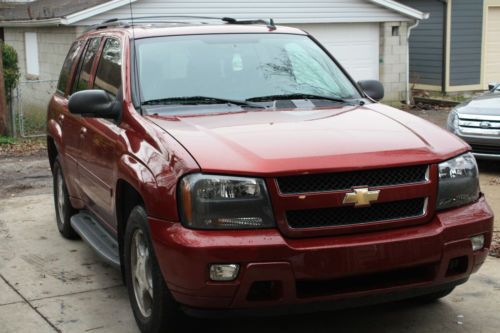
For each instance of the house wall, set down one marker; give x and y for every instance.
(426, 43)
(466, 38)
(393, 60)
(283, 11)
(33, 93)
(53, 45)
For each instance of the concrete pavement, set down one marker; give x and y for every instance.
(49, 284)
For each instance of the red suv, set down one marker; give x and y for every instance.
(236, 168)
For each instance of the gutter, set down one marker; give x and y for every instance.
(403, 9)
(33, 23)
(69, 19)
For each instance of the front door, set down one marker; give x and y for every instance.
(99, 139)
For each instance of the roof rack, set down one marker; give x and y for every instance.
(126, 22)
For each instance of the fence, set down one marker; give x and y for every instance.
(29, 106)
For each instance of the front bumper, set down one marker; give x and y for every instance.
(281, 272)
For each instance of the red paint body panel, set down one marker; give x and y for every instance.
(152, 153)
(310, 141)
(267, 255)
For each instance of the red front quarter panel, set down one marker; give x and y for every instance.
(152, 162)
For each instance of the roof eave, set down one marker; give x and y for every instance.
(33, 23)
(402, 9)
(96, 10)
(69, 19)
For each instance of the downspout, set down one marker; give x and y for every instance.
(445, 43)
(408, 90)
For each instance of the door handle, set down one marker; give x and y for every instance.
(83, 131)
(61, 118)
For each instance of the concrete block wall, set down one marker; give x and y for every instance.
(393, 60)
(53, 45)
(33, 93)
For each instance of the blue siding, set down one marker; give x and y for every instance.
(466, 42)
(426, 43)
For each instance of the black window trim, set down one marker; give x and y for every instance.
(76, 75)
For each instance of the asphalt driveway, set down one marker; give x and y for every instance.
(49, 284)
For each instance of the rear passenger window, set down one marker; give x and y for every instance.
(68, 64)
(86, 63)
(108, 75)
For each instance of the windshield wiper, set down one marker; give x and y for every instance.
(201, 100)
(296, 96)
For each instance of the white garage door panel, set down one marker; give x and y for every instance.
(354, 45)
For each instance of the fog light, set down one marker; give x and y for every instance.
(225, 272)
(477, 242)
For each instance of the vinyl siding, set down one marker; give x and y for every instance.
(426, 43)
(290, 11)
(466, 42)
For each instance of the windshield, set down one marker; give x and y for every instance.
(237, 67)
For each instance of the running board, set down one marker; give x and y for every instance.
(97, 237)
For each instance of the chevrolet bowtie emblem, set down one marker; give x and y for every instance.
(361, 197)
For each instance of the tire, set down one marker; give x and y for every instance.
(62, 204)
(433, 297)
(154, 308)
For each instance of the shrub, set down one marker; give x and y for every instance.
(10, 68)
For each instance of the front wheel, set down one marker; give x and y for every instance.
(154, 308)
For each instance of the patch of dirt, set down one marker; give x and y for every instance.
(434, 114)
(495, 245)
(25, 175)
(23, 148)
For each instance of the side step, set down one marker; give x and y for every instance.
(97, 237)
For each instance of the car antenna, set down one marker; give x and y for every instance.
(136, 65)
(271, 24)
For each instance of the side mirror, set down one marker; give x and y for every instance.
(373, 88)
(492, 86)
(94, 103)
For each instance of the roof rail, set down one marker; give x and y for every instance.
(184, 19)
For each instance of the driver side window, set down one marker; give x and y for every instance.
(108, 76)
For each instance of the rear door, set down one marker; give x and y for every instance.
(69, 123)
(73, 124)
(99, 139)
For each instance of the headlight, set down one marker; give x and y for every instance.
(452, 122)
(458, 182)
(223, 202)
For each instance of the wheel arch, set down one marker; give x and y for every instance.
(130, 191)
(52, 152)
(54, 140)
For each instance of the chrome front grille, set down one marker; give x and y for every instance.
(479, 124)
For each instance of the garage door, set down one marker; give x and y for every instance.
(493, 46)
(355, 46)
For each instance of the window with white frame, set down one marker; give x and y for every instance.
(31, 47)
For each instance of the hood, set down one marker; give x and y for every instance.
(487, 105)
(314, 140)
